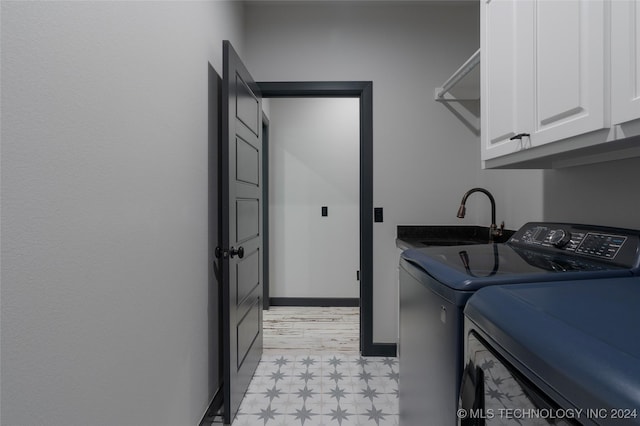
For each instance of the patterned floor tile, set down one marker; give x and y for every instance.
(321, 390)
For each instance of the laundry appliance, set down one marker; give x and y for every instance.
(436, 282)
(558, 353)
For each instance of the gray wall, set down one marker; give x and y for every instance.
(424, 157)
(104, 210)
(313, 162)
(604, 194)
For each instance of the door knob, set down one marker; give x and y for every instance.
(239, 252)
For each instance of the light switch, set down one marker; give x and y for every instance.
(377, 214)
(325, 211)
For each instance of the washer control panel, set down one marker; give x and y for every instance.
(614, 245)
(602, 245)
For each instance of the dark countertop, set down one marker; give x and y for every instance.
(415, 236)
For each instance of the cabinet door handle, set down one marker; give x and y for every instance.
(519, 136)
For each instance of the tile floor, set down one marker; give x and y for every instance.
(312, 375)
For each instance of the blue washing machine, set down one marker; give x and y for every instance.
(560, 353)
(436, 282)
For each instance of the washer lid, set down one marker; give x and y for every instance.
(474, 266)
(579, 338)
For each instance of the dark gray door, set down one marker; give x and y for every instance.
(241, 228)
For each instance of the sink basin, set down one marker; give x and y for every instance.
(451, 242)
(445, 235)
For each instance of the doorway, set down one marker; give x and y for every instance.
(314, 202)
(314, 240)
(362, 90)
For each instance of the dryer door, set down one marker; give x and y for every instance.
(493, 392)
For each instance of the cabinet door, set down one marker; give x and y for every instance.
(625, 61)
(569, 69)
(505, 26)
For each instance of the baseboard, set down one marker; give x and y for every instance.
(314, 301)
(214, 412)
(381, 349)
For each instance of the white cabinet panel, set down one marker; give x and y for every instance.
(569, 69)
(503, 28)
(558, 61)
(625, 61)
(543, 72)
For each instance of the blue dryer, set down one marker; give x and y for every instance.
(560, 353)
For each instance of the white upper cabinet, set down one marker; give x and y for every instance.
(499, 96)
(625, 61)
(569, 69)
(543, 75)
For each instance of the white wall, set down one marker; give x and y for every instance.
(314, 162)
(424, 157)
(104, 210)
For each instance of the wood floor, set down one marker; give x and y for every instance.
(295, 329)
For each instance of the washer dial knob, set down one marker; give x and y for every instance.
(559, 238)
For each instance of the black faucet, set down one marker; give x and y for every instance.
(494, 231)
